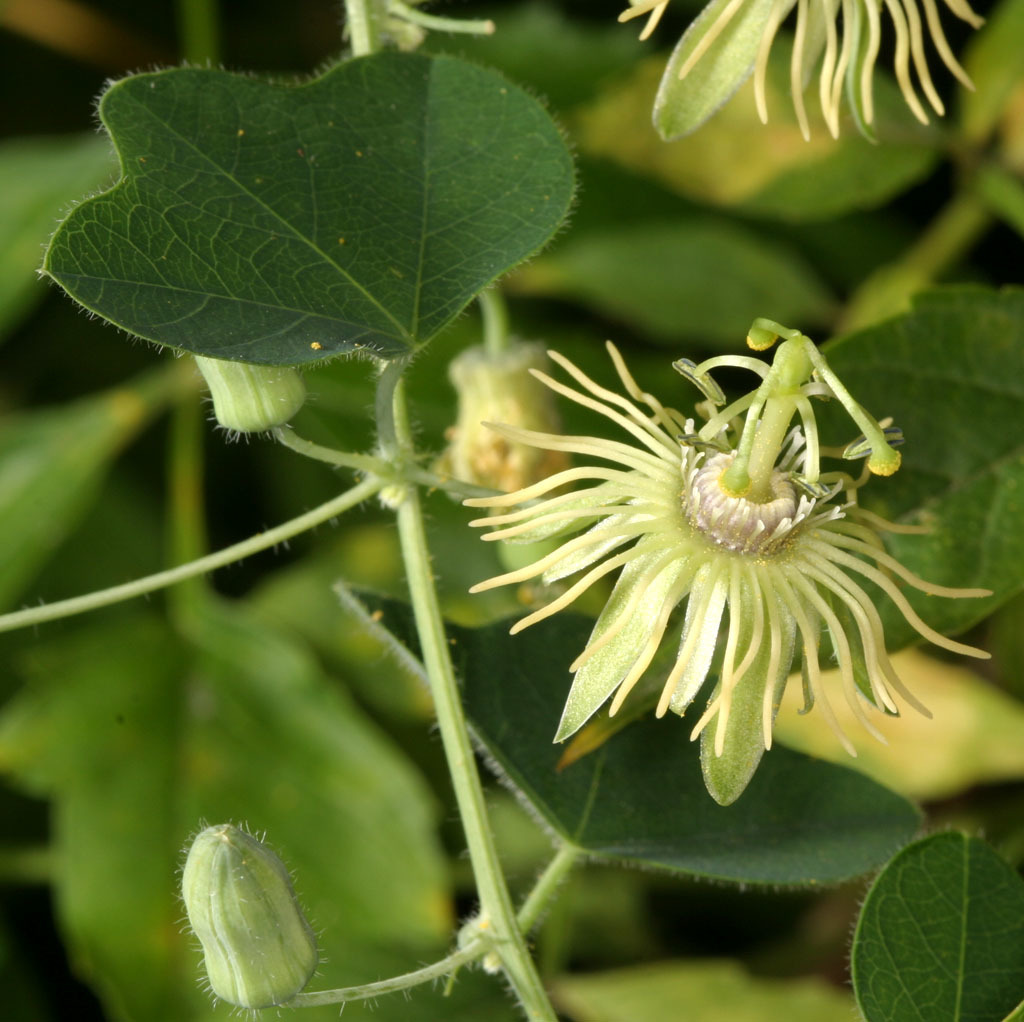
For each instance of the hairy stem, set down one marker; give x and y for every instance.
(138, 587)
(544, 889)
(495, 903)
(286, 436)
(186, 532)
(362, 17)
(431, 21)
(378, 466)
(537, 900)
(387, 437)
(340, 995)
(495, 317)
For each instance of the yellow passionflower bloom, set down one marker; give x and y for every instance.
(734, 519)
(730, 39)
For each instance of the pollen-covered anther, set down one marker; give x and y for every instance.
(738, 523)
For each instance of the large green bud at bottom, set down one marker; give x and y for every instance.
(258, 948)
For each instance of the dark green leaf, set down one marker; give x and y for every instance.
(951, 373)
(640, 797)
(941, 935)
(701, 278)
(39, 177)
(282, 225)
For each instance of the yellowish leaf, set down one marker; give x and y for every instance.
(975, 736)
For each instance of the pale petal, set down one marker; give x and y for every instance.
(603, 672)
(728, 763)
(716, 56)
(704, 611)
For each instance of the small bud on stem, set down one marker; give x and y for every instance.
(252, 398)
(258, 948)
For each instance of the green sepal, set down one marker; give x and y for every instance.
(604, 671)
(853, 92)
(583, 557)
(252, 398)
(708, 593)
(682, 106)
(727, 776)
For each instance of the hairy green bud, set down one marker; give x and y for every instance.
(500, 387)
(252, 398)
(257, 946)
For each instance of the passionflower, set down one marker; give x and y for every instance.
(729, 39)
(736, 520)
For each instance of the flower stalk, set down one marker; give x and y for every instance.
(495, 902)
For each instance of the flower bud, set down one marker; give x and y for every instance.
(252, 398)
(257, 946)
(499, 387)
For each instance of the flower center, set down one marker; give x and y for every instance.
(738, 523)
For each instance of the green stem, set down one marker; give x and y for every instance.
(438, 24)
(377, 466)
(544, 889)
(1003, 193)
(199, 31)
(387, 437)
(363, 30)
(138, 587)
(948, 238)
(495, 903)
(286, 436)
(495, 317)
(186, 532)
(444, 967)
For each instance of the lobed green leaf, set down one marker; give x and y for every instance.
(282, 225)
(640, 798)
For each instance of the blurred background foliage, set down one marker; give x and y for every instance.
(251, 697)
